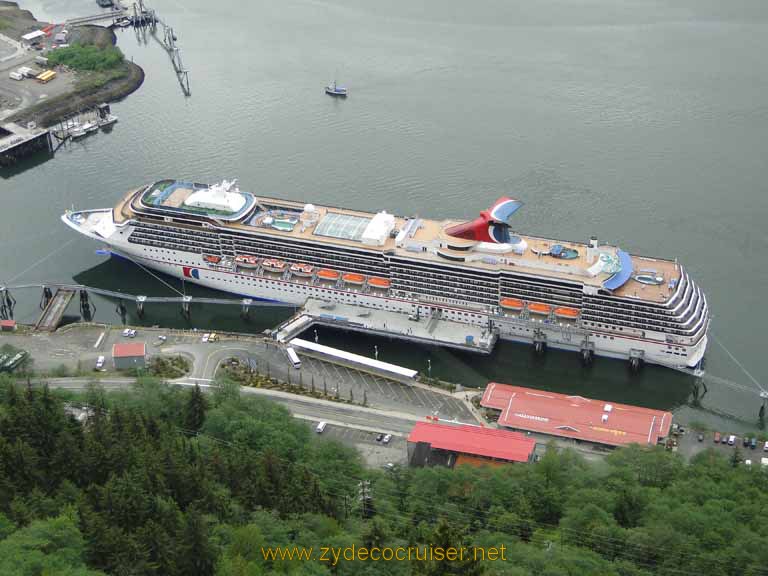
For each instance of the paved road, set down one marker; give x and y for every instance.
(358, 417)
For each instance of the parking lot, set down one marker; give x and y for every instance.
(377, 454)
(689, 445)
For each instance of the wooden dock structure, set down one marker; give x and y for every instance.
(54, 311)
(19, 141)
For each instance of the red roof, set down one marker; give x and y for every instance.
(128, 350)
(575, 416)
(474, 440)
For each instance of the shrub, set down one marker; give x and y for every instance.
(87, 57)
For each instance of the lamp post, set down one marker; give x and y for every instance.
(429, 368)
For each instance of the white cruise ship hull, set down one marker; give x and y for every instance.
(193, 268)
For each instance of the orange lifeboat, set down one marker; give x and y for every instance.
(328, 274)
(305, 270)
(568, 313)
(511, 303)
(213, 259)
(539, 308)
(273, 265)
(353, 278)
(376, 282)
(246, 261)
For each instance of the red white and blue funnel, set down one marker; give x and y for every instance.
(491, 226)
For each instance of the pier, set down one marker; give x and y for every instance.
(433, 330)
(19, 141)
(54, 309)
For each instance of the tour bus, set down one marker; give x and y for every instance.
(293, 358)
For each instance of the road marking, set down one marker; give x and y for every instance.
(98, 342)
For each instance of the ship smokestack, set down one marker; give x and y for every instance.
(592, 249)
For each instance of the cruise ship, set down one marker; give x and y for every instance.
(591, 298)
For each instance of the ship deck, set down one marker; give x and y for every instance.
(431, 231)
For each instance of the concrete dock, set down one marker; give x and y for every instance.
(433, 331)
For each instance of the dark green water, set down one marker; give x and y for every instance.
(643, 122)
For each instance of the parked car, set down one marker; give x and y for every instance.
(205, 337)
(387, 438)
(129, 333)
(717, 437)
(765, 448)
(701, 437)
(724, 439)
(731, 440)
(100, 363)
(753, 443)
(162, 338)
(379, 437)
(746, 442)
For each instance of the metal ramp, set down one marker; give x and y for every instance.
(52, 314)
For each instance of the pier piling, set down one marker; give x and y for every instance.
(140, 305)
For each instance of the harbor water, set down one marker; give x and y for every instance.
(641, 122)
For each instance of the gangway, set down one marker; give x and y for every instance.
(52, 314)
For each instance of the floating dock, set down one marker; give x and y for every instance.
(434, 330)
(54, 311)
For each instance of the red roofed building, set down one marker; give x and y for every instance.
(127, 355)
(7, 325)
(432, 443)
(576, 417)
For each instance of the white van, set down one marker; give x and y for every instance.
(320, 427)
(100, 363)
(294, 360)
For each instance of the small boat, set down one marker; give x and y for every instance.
(273, 265)
(213, 259)
(539, 308)
(246, 261)
(304, 270)
(123, 22)
(336, 90)
(649, 277)
(563, 253)
(511, 304)
(566, 313)
(107, 121)
(381, 283)
(77, 132)
(327, 274)
(353, 278)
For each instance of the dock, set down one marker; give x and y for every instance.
(433, 330)
(19, 141)
(54, 311)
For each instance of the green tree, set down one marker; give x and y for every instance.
(194, 410)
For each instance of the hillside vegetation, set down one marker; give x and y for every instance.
(163, 481)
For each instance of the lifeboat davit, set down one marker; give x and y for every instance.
(539, 308)
(327, 274)
(305, 270)
(353, 278)
(246, 261)
(213, 259)
(568, 313)
(376, 282)
(511, 304)
(273, 265)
